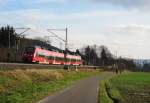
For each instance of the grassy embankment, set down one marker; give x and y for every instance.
(28, 86)
(127, 88)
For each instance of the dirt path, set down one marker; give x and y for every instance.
(84, 91)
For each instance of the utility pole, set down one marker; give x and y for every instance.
(66, 48)
(66, 44)
(9, 37)
(17, 41)
(20, 34)
(8, 55)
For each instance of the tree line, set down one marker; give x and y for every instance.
(101, 56)
(8, 36)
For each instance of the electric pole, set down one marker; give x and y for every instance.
(20, 34)
(66, 44)
(17, 40)
(8, 55)
(9, 38)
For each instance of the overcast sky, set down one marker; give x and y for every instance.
(121, 25)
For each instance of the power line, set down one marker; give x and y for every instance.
(55, 35)
(64, 40)
(25, 30)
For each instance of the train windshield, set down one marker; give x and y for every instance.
(29, 50)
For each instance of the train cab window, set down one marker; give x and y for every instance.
(29, 50)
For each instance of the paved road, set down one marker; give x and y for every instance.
(84, 91)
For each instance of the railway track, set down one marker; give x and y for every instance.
(11, 66)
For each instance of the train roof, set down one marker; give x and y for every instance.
(55, 49)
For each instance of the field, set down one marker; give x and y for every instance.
(28, 86)
(133, 87)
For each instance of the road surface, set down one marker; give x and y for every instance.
(84, 91)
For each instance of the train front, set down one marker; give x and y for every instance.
(28, 54)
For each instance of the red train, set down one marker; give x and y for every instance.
(40, 55)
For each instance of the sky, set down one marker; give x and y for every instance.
(121, 25)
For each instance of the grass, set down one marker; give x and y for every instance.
(28, 86)
(109, 94)
(134, 87)
(113, 93)
(103, 96)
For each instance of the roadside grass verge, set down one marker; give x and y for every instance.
(134, 87)
(109, 94)
(113, 93)
(29, 86)
(103, 95)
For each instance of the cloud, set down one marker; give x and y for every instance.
(122, 30)
(139, 4)
(133, 29)
(131, 39)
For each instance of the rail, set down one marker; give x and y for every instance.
(12, 66)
